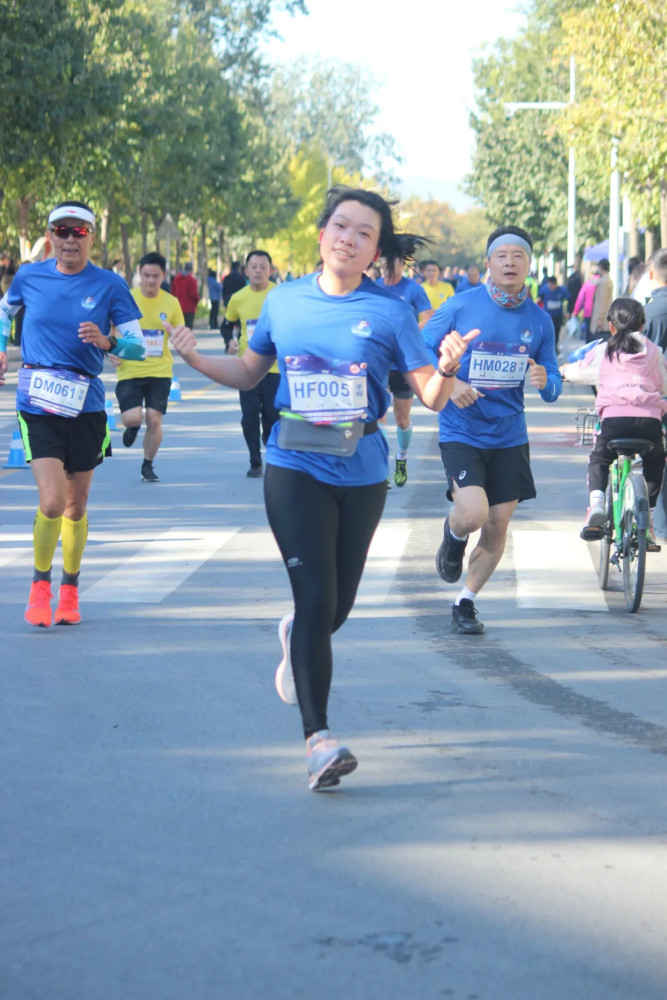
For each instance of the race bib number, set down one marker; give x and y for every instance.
(154, 343)
(495, 365)
(54, 390)
(250, 328)
(326, 392)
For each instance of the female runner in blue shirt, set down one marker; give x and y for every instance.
(336, 335)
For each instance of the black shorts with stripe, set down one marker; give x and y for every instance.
(81, 443)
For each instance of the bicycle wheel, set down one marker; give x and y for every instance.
(635, 522)
(605, 544)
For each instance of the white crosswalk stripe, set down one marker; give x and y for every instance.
(554, 572)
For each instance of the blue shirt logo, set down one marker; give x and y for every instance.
(88, 302)
(526, 336)
(361, 329)
(163, 317)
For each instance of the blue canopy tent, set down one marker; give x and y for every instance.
(599, 252)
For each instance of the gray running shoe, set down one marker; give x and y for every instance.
(327, 762)
(255, 472)
(284, 676)
(464, 618)
(449, 557)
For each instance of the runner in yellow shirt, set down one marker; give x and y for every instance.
(258, 412)
(437, 291)
(148, 383)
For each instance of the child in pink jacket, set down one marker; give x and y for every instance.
(631, 376)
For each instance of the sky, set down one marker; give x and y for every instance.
(420, 55)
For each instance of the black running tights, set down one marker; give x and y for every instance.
(323, 533)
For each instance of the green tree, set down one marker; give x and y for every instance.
(520, 166)
(622, 65)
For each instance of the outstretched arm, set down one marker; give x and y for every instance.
(236, 373)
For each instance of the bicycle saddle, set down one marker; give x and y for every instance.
(630, 446)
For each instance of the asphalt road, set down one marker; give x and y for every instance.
(505, 834)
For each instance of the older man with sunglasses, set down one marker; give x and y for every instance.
(70, 306)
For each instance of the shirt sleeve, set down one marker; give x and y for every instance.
(410, 350)
(231, 312)
(422, 301)
(123, 307)
(546, 356)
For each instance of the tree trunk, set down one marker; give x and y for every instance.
(144, 232)
(649, 243)
(104, 235)
(203, 259)
(633, 232)
(663, 212)
(24, 205)
(156, 226)
(126, 252)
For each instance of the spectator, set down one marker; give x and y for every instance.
(584, 303)
(232, 282)
(213, 286)
(185, 288)
(604, 294)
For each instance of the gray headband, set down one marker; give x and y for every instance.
(509, 238)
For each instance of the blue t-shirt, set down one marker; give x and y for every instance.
(55, 305)
(496, 364)
(411, 292)
(367, 331)
(554, 300)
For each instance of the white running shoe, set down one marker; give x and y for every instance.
(327, 762)
(284, 675)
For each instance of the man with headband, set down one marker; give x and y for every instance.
(70, 306)
(483, 434)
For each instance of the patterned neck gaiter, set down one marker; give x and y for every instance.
(506, 299)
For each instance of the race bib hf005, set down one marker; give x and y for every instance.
(323, 391)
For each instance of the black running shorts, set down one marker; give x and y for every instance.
(80, 443)
(399, 387)
(503, 473)
(153, 393)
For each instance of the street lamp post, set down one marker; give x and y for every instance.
(513, 106)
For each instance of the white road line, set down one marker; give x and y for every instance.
(152, 573)
(383, 560)
(554, 572)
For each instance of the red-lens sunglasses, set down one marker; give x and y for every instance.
(64, 232)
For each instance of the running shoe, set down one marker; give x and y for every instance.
(652, 543)
(38, 610)
(284, 675)
(130, 436)
(148, 473)
(401, 471)
(449, 557)
(327, 762)
(67, 612)
(464, 618)
(255, 471)
(593, 530)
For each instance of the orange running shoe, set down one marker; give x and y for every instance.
(67, 612)
(38, 611)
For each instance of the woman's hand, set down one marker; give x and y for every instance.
(453, 347)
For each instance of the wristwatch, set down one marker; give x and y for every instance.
(450, 374)
(112, 343)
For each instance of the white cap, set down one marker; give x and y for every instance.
(67, 211)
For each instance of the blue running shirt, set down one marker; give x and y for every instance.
(56, 304)
(496, 364)
(410, 291)
(368, 331)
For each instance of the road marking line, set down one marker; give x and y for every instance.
(382, 564)
(554, 572)
(158, 568)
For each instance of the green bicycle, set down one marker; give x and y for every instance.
(626, 528)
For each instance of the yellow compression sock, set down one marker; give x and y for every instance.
(45, 535)
(73, 540)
